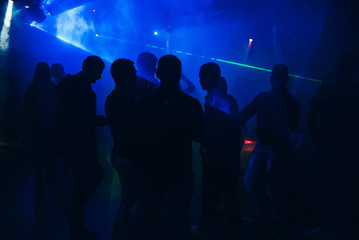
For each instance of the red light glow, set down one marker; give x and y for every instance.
(246, 142)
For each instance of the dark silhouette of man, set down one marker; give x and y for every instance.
(172, 120)
(121, 114)
(57, 72)
(74, 138)
(39, 104)
(277, 118)
(147, 82)
(220, 151)
(333, 125)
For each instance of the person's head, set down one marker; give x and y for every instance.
(93, 67)
(209, 75)
(57, 71)
(42, 73)
(124, 74)
(169, 71)
(146, 63)
(279, 77)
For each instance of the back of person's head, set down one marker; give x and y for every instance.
(279, 77)
(169, 70)
(42, 73)
(222, 85)
(93, 66)
(123, 73)
(209, 75)
(147, 62)
(92, 62)
(57, 71)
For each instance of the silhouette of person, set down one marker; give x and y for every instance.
(147, 82)
(173, 120)
(74, 137)
(220, 151)
(333, 125)
(277, 118)
(121, 113)
(38, 110)
(57, 72)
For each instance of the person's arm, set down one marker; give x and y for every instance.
(190, 86)
(249, 111)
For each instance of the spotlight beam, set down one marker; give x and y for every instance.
(4, 36)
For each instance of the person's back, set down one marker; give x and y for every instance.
(121, 113)
(277, 111)
(75, 114)
(172, 120)
(220, 150)
(277, 118)
(74, 138)
(223, 133)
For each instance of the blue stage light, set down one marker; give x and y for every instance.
(155, 33)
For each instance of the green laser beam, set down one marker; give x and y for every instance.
(243, 65)
(217, 59)
(267, 70)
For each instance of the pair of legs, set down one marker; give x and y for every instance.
(266, 160)
(172, 196)
(129, 195)
(217, 181)
(87, 175)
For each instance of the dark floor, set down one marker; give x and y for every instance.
(29, 212)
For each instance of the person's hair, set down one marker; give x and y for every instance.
(120, 69)
(146, 60)
(169, 70)
(222, 84)
(279, 75)
(92, 62)
(42, 73)
(211, 70)
(209, 75)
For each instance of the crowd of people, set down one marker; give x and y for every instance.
(153, 122)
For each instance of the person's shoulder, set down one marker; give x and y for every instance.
(190, 101)
(231, 99)
(262, 95)
(67, 80)
(188, 98)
